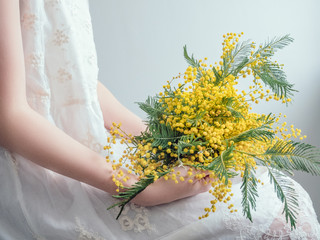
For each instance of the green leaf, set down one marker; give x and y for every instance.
(162, 134)
(152, 108)
(190, 60)
(261, 133)
(285, 191)
(290, 155)
(270, 47)
(239, 57)
(249, 191)
(217, 76)
(270, 73)
(222, 164)
(198, 119)
(232, 106)
(272, 76)
(131, 192)
(188, 141)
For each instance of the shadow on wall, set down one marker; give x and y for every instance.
(307, 181)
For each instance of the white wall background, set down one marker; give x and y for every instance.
(139, 45)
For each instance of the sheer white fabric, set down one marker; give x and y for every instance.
(35, 203)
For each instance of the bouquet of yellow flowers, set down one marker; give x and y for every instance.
(204, 122)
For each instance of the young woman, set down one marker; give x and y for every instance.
(55, 182)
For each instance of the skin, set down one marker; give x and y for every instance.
(20, 125)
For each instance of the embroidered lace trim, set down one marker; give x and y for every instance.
(134, 218)
(307, 227)
(86, 234)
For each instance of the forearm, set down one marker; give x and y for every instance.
(29, 134)
(114, 111)
(24, 131)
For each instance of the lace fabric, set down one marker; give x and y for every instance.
(279, 228)
(35, 203)
(134, 218)
(85, 233)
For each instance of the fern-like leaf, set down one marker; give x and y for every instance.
(261, 133)
(218, 77)
(289, 155)
(162, 134)
(222, 164)
(190, 60)
(151, 107)
(188, 141)
(275, 78)
(131, 192)
(232, 106)
(285, 191)
(240, 57)
(270, 47)
(249, 191)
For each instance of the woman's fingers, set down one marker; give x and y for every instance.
(164, 191)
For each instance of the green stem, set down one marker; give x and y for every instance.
(251, 154)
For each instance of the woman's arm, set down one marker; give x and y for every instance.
(22, 129)
(114, 111)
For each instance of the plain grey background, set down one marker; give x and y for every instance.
(139, 45)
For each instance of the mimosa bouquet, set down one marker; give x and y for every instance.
(202, 121)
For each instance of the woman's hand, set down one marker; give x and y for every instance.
(165, 191)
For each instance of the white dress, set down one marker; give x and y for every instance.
(35, 203)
